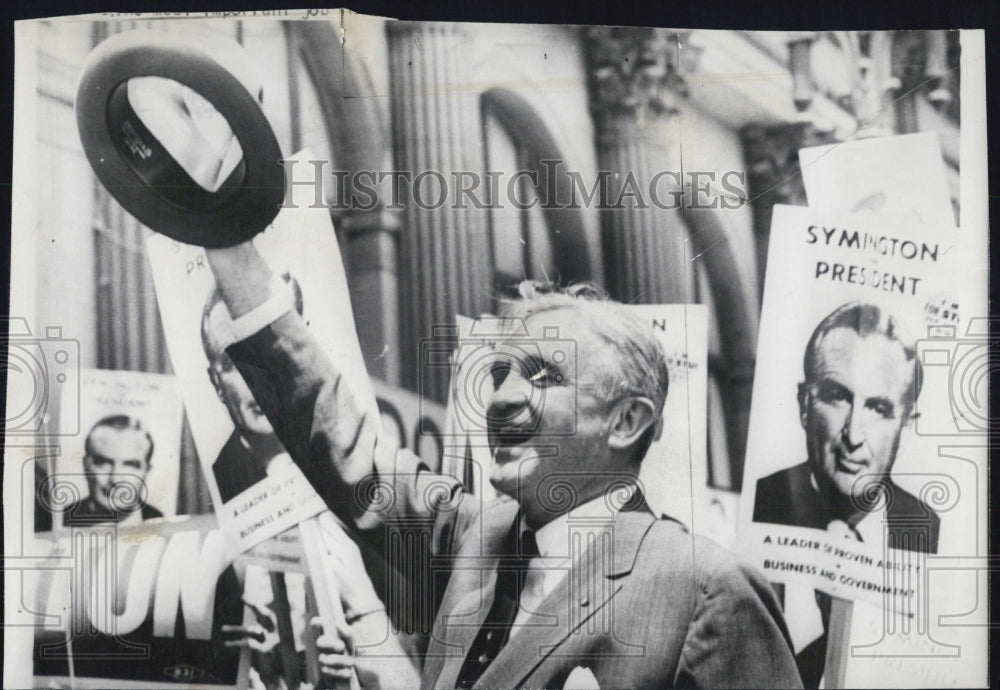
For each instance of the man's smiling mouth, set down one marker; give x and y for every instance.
(505, 440)
(849, 465)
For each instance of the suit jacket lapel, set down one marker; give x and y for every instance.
(459, 623)
(593, 579)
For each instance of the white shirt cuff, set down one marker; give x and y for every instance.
(277, 305)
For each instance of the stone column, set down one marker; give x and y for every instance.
(874, 97)
(372, 264)
(635, 82)
(444, 252)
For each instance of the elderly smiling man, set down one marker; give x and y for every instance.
(570, 575)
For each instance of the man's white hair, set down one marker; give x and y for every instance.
(635, 362)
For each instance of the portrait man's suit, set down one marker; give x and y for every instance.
(87, 512)
(236, 469)
(662, 608)
(788, 497)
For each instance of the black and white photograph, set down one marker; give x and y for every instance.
(355, 352)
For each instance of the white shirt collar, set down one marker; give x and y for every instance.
(871, 526)
(553, 538)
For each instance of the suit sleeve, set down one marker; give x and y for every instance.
(335, 439)
(737, 637)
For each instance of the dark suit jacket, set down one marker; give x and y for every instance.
(788, 498)
(235, 469)
(86, 512)
(656, 608)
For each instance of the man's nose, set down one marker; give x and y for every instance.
(507, 402)
(854, 430)
(121, 473)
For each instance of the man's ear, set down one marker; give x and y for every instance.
(630, 419)
(803, 403)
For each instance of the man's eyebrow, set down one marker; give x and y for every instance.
(881, 400)
(831, 384)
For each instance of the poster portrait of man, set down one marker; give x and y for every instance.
(861, 381)
(117, 457)
(124, 465)
(256, 488)
(252, 447)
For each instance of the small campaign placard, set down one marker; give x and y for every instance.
(122, 465)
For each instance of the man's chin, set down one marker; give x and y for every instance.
(502, 486)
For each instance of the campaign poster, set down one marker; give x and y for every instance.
(122, 593)
(904, 179)
(280, 645)
(841, 492)
(283, 588)
(834, 180)
(121, 606)
(674, 470)
(257, 489)
(121, 464)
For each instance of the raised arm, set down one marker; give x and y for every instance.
(334, 437)
(329, 433)
(243, 277)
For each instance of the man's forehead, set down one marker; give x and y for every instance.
(119, 443)
(873, 361)
(546, 332)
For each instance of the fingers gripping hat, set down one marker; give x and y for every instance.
(173, 128)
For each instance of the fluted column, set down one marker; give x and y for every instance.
(444, 252)
(374, 284)
(635, 81)
(875, 94)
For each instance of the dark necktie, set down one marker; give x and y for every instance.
(495, 631)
